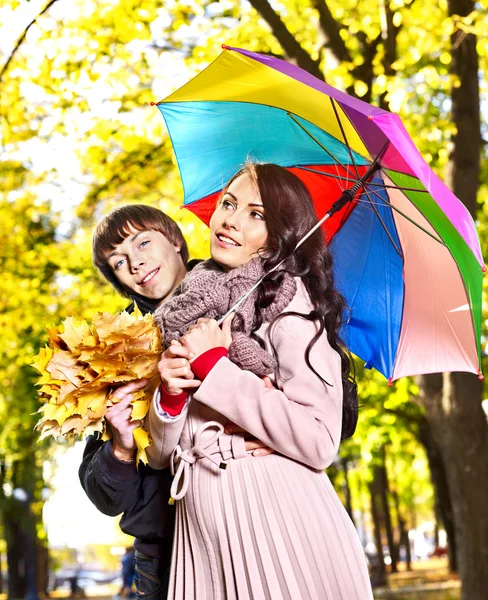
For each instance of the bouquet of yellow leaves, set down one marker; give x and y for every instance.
(82, 365)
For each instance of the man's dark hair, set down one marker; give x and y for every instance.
(117, 225)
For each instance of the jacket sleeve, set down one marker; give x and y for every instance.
(302, 418)
(165, 432)
(111, 484)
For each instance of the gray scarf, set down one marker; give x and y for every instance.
(208, 291)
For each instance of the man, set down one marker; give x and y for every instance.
(142, 253)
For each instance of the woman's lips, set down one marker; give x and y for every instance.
(224, 244)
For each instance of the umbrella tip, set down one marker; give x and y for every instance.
(153, 103)
(390, 381)
(370, 117)
(480, 375)
(483, 268)
(225, 47)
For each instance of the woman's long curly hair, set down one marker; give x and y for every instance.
(290, 214)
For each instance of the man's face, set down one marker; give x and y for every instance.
(148, 264)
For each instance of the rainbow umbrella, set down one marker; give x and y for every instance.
(406, 251)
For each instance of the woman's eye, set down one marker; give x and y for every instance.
(257, 215)
(227, 204)
(144, 243)
(119, 264)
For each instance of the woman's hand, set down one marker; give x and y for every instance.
(118, 415)
(174, 369)
(252, 444)
(206, 334)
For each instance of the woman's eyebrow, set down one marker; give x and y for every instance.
(231, 195)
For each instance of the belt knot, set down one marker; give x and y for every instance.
(182, 460)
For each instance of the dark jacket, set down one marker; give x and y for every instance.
(140, 494)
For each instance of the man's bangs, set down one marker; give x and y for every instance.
(118, 232)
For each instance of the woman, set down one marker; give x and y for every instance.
(269, 528)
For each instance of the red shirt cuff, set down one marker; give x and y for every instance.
(203, 364)
(172, 403)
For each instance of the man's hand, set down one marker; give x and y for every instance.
(174, 369)
(253, 445)
(118, 416)
(206, 334)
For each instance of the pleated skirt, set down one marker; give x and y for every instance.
(266, 528)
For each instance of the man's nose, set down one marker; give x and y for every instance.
(136, 262)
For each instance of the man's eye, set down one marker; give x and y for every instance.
(119, 263)
(142, 244)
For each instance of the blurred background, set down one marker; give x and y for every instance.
(78, 136)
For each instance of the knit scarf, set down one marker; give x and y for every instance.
(208, 291)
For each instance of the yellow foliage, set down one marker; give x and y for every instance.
(83, 365)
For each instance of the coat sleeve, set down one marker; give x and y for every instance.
(301, 419)
(112, 485)
(165, 432)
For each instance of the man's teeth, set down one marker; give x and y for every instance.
(148, 276)
(227, 240)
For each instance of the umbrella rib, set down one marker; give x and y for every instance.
(346, 142)
(398, 251)
(342, 178)
(393, 207)
(321, 145)
(397, 187)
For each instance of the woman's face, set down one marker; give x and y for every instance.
(238, 227)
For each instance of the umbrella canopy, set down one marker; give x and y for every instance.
(406, 251)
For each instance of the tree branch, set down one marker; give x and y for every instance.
(331, 29)
(22, 38)
(292, 48)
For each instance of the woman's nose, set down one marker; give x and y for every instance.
(231, 220)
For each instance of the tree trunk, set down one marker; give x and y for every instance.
(15, 557)
(378, 569)
(402, 533)
(441, 488)
(382, 475)
(453, 404)
(347, 489)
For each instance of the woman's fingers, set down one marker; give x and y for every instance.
(263, 451)
(254, 444)
(257, 448)
(231, 428)
(175, 367)
(176, 386)
(176, 350)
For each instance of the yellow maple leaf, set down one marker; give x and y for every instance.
(139, 409)
(57, 412)
(84, 362)
(40, 360)
(75, 331)
(95, 426)
(143, 440)
(93, 400)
